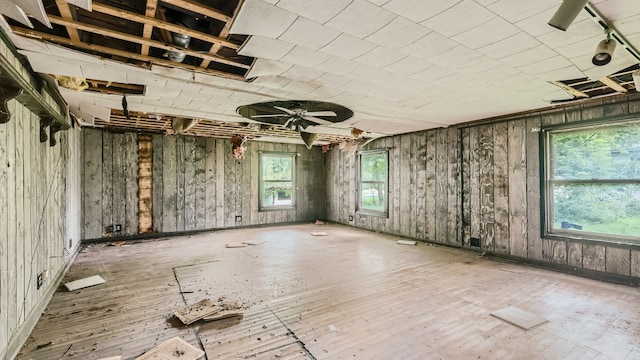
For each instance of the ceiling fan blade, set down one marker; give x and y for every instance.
(270, 115)
(320, 113)
(285, 110)
(318, 120)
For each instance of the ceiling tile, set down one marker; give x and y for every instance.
(338, 66)
(47, 64)
(495, 75)
(616, 9)
(361, 19)
(539, 53)
(103, 72)
(628, 26)
(514, 11)
(262, 47)
(487, 33)
(257, 17)
(463, 16)
(455, 57)
(510, 46)
(304, 56)
(380, 57)
(309, 34)
(478, 65)
(318, 11)
(302, 73)
(419, 10)
(272, 82)
(348, 47)
(263, 67)
(578, 31)
(546, 65)
(433, 73)
(398, 33)
(332, 80)
(430, 45)
(407, 66)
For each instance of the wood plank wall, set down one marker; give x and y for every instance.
(196, 184)
(39, 220)
(480, 181)
(423, 187)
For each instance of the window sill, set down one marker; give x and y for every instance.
(617, 243)
(372, 213)
(277, 208)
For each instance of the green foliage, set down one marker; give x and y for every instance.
(611, 153)
(373, 176)
(277, 178)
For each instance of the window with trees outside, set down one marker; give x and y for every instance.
(373, 176)
(593, 182)
(277, 181)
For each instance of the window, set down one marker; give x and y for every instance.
(277, 182)
(373, 176)
(593, 181)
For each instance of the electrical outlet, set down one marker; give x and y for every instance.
(117, 228)
(238, 218)
(70, 243)
(350, 217)
(40, 280)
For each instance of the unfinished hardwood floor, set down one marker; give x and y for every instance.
(350, 294)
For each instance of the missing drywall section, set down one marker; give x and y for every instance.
(475, 242)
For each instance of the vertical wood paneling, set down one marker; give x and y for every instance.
(534, 243)
(554, 251)
(474, 183)
(430, 195)
(593, 257)
(453, 207)
(413, 184)
(230, 186)
(618, 261)
(517, 188)
(254, 189)
(442, 183)
(5, 266)
(421, 179)
(169, 185)
(29, 218)
(635, 262)
(145, 184)
(130, 224)
(501, 187)
(93, 186)
(180, 182)
(574, 254)
(119, 191)
(394, 202)
(189, 183)
(487, 213)
(245, 190)
(13, 261)
(23, 274)
(406, 193)
(157, 182)
(466, 188)
(220, 190)
(107, 181)
(200, 184)
(210, 183)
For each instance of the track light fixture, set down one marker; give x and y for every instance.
(604, 51)
(566, 13)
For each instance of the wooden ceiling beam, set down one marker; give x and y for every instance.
(570, 90)
(114, 52)
(151, 8)
(612, 84)
(134, 39)
(224, 33)
(109, 10)
(65, 12)
(199, 8)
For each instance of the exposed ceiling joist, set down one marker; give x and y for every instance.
(151, 8)
(613, 85)
(199, 8)
(65, 12)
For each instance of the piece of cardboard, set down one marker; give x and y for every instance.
(520, 318)
(83, 283)
(197, 311)
(406, 242)
(174, 348)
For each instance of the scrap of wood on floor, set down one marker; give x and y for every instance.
(253, 242)
(319, 233)
(520, 318)
(84, 283)
(406, 242)
(174, 348)
(192, 313)
(236, 245)
(224, 314)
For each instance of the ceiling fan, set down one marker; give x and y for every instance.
(296, 115)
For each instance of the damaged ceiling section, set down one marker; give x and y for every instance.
(399, 65)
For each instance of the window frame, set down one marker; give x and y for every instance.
(546, 182)
(359, 208)
(261, 181)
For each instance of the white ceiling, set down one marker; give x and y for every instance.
(400, 65)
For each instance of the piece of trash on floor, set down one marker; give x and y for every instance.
(319, 222)
(44, 345)
(253, 242)
(236, 245)
(521, 318)
(224, 314)
(84, 283)
(116, 243)
(112, 358)
(197, 311)
(332, 328)
(174, 348)
(319, 233)
(406, 242)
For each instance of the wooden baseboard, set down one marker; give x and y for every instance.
(18, 340)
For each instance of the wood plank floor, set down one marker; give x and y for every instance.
(351, 294)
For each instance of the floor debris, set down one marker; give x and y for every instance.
(224, 314)
(174, 348)
(406, 242)
(319, 233)
(518, 317)
(44, 345)
(236, 245)
(116, 243)
(332, 328)
(319, 222)
(192, 313)
(83, 283)
(253, 242)
(112, 358)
